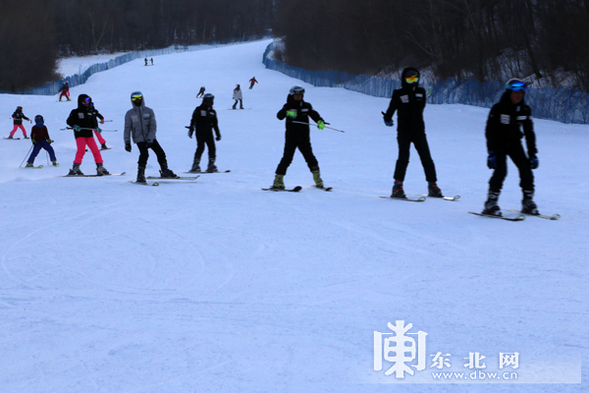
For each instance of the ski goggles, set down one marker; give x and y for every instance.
(412, 79)
(136, 97)
(87, 100)
(516, 86)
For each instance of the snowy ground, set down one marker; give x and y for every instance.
(218, 286)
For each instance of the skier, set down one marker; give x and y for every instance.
(409, 101)
(201, 92)
(140, 124)
(203, 122)
(41, 140)
(83, 121)
(238, 97)
(97, 131)
(503, 132)
(146, 61)
(253, 81)
(17, 118)
(151, 60)
(297, 135)
(65, 91)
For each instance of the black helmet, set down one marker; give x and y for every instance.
(515, 84)
(296, 89)
(208, 99)
(39, 118)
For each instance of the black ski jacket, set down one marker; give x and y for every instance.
(18, 116)
(303, 109)
(83, 116)
(409, 101)
(204, 119)
(505, 123)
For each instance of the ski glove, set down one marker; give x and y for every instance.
(101, 121)
(291, 114)
(149, 143)
(321, 124)
(128, 147)
(492, 160)
(190, 132)
(77, 128)
(389, 123)
(33, 141)
(98, 130)
(218, 138)
(50, 141)
(534, 162)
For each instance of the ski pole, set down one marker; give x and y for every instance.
(86, 129)
(29, 152)
(309, 124)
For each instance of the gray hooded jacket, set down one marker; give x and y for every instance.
(140, 123)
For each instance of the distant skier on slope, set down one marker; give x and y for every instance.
(253, 81)
(503, 132)
(409, 102)
(238, 97)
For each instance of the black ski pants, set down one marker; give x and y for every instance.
(205, 138)
(294, 140)
(157, 149)
(420, 142)
(521, 161)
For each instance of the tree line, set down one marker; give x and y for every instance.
(35, 33)
(479, 39)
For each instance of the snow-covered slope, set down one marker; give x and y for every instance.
(218, 286)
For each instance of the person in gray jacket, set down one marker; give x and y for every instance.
(141, 124)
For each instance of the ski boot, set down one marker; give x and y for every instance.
(75, 171)
(278, 182)
(9, 137)
(211, 168)
(195, 165)
(167, 173)
(491, 204)
(317, 178)
(27, 137)
(101, 170)
(398, 190)
(29, 165)
(141, 175)
(434, 191)
(103, 147)
(528, 204)
(54, 163)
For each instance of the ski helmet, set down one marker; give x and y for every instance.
(516, 84)
(296, 89)
(208, 99)
(19, 108)
(39, 120)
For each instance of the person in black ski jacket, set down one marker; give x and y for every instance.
(503, 132)
(17, 118)
(203, 122)
(83, 122)
(297, 135)
(409, 103)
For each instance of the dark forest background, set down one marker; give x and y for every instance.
(479, 39)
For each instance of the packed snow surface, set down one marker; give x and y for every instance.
(217, 286)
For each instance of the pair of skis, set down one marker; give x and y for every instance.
(518, 216)
(295, 189)
(155, 184)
